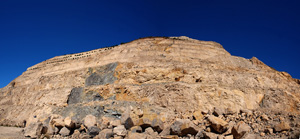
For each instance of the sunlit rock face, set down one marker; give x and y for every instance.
(154, 78)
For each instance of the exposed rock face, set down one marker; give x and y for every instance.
(150, 82)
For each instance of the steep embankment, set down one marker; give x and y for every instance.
(157, 79)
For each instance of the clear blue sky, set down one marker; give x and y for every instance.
(33, 31)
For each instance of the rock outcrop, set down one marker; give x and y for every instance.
(155, 87)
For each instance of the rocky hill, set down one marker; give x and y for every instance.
(155, 87)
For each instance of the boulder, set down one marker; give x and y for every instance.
(239, 130)
(182, 127)
(120, 130)
(105, 134)
(218, 124)
(90, 120)
(33, 130)
(282, 126)
(64, 132)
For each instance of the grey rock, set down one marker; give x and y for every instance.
(137, 129)
(93, 131)
(75, 95)
(103, 75)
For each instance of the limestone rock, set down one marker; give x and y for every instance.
(218, 124)
(239, 130)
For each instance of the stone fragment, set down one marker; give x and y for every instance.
(115, 122)
(33, 130)
(120, 130)
(230, 126)
(165, 131)
(76, 134)
(269, 130)
(218, 124)
(198, 115)
(246, 111)
(282, 126)
(135, 129)
(264, 117)
(239, 130)
(90, 120)
(210, 135)
(149, 131)
(69, 123)
(228, 137)
(137, 136)
(118, 137)
(182, 127)
(262, 134)
(126, 120)
(59, 122)
(93, 131)
(105, 134)
(250, 136)
(218, 111)
(64, 132)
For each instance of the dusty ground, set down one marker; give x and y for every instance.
(11, 133)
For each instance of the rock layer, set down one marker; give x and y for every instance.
(152, 81)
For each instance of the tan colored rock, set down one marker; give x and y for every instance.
(282, 126)
(64, 132)
(90, 120)
(218, 124)
(120, 130)
(33, 130)
(69, 123)
(115, 122)
(239, 130)
(182, 127)
(105, 134)
(210, 135)
(198, 115)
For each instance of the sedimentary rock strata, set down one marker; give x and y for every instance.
(157, 87)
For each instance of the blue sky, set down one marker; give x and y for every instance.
(33, 31)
